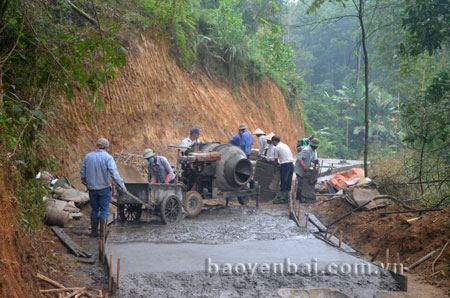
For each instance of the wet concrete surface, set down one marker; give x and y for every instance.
(215, 225)
(169, 261)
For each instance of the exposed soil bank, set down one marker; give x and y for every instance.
(371, 234)
(154, 103)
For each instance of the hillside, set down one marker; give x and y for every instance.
(155, 103)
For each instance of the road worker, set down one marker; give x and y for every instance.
(95, 173)
(159, 168)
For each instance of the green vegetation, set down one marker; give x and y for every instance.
(44, 54)
(54, 48)
(408, 90)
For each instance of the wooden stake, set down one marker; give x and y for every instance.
(100, 249)
(399, 266)
(387, 259)
(103, 252)
(341, 234)
(110, 272)
(326, 231)
(332, 233)
(307, 221)
(118, 273)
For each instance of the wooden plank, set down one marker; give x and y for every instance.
(86, 261)
(70, 244)
(59, 290)
(316, 222)
(50, 281)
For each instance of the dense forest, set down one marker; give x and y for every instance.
(322, 53)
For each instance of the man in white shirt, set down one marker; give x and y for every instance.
(269, 151)
(284, 157)
(192, 139)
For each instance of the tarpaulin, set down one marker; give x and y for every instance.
(338, 179)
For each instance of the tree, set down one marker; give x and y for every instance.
(359, 6)
(428, 25)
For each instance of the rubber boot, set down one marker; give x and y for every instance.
(279, 198)
(94, 227)
(286, 197)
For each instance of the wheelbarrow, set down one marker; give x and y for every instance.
(164, 200)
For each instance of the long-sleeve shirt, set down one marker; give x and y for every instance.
(262, 142)
(96, 170)
(187, 143)
(307, 155)
(159, 170)
(283, 153)
(270, 153)
(246, 142)
(235, 140)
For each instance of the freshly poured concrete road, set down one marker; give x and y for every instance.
(169, 260)
(189, 257)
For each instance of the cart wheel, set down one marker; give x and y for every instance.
(193, 203)
(171, 209)
(243, 200)
(130, 212)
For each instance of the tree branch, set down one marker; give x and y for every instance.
(83, 14)
(327, 20)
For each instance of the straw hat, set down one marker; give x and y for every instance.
(259, 131)
(269, 136)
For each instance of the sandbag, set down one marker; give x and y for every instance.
(71, 194)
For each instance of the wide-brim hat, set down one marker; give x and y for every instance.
(148, 153)
(259, 131)
(242, 126)
(269, 136)
(314, 143)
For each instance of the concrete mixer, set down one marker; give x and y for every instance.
(215, 170)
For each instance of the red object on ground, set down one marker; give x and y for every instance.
(338, 179)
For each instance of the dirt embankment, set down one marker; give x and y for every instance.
(372, 234)
(154, 103)
(20, 255)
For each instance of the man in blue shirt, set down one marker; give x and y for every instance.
(235, 140)
(246, 140)
(159, 168)
(95, 172)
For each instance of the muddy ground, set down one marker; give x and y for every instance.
(221, 225)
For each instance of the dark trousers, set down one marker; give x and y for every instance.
(286, 172)
(299, 187)
(99, 200)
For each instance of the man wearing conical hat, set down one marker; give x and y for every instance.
(262, 142)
